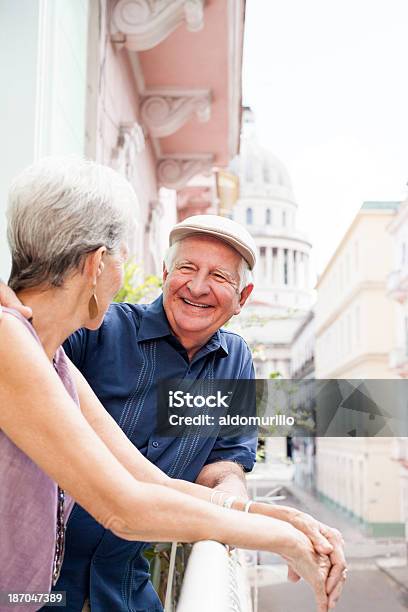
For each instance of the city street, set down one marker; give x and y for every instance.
(369, 588)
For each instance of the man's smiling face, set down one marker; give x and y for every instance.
(200, 293)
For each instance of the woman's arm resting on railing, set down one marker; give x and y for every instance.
(325, 540)
(38, 416)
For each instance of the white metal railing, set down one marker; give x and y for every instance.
(399, 449)
(398, 358)
(393, 279)
(214, 581)
(397, 281)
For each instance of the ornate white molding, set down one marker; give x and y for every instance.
(142, 24)
(164, 113)
(175, 172)
(130, 143)
(236, 11)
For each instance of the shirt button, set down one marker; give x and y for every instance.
(155, 444)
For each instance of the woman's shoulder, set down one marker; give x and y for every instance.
(19, 347)
(13, 322)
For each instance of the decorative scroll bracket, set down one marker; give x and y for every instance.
(164, 113)
(142, 24)
(175, 172)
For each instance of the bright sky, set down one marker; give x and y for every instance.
(328, 82)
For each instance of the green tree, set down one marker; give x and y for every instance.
(136, 286)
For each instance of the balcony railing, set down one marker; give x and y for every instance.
(397, 284)
(398, 361)
(214, 580)
(399, 449)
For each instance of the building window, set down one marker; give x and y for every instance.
(348, 268)
(268, 216)
(285, 266)
(249, 174)
(406, 336)
(262, 260)
(284, 218)
(357, 319)
(275, 272)
(348, 332)
(266, 174)
(249, 216)
(295, 270)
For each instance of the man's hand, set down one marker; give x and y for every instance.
(9, 299)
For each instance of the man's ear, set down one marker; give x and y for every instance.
(165, 273)
(94, 264)
(245, 293)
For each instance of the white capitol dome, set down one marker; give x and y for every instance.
(282, 295)
(260, 172)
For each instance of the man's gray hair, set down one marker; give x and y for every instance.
(60, 209)
(244, 273)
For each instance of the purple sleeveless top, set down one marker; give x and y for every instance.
(28, 509)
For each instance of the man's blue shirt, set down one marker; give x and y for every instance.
(123, 361)
(125, 358)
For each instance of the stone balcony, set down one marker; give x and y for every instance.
(399, 451)
(397, 284)
(398, 361)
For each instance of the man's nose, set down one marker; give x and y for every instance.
(199, 285)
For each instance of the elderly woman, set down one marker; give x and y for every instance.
(68, 222)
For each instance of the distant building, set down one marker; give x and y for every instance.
(397, 290)
(352, 300)
(354, 336)
(303, 349)
(303, 368)
(282, 297)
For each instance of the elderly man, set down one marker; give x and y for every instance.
(206, 280)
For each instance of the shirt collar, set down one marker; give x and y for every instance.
(154, 324)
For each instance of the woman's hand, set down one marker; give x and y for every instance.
(8, 299)
(304, 562)
(326, 540)
(321, 534)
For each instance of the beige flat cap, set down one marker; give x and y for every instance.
(222, 228)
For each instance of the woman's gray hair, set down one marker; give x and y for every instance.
(60, 209)
(244, 273)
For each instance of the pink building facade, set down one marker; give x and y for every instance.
(150, 87)
(163, 105)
